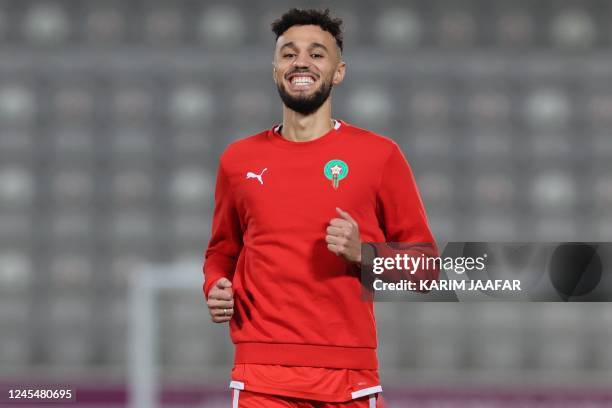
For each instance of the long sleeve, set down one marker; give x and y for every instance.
(402, 216)
(226, 235)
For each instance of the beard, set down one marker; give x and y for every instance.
(305, 105)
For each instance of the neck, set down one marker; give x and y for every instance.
(304, 128)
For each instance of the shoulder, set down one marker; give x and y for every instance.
(239, 149)
(374, 142)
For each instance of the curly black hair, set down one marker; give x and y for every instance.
(321, 18)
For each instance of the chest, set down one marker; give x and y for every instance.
(300, 189)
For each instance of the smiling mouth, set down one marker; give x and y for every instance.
(301, 81)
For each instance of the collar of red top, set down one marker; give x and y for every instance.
(278, 128)
(275, 136)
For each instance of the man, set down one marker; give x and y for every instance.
(292, 206)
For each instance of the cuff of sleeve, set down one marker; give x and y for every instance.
(216, 267)
(209, 280)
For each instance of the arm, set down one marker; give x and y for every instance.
(402, 217)
(223, 250)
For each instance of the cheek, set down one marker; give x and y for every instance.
(329, 73)
(330, 76)
(280, 69)
(279, 75)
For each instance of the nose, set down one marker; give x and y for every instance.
(301, 61)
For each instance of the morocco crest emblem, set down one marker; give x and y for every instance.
(335, 170)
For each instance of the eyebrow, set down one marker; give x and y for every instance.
(290, 44)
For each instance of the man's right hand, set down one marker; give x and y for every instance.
(221, 301)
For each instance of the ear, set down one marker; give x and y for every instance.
(273, 72)
(339, 74)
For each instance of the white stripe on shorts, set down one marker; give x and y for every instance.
(366, 391)
(373, 401)
(237, 396)
(239, 385)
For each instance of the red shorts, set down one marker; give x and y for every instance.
(306, 383)
(246, 399)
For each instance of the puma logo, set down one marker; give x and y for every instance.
(259, 176)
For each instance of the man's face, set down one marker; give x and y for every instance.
(307, 64)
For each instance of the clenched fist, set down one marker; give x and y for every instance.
(343, 237)
(221, 301)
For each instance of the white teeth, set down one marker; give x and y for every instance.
(301, 80)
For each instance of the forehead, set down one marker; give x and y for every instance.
(304, 35)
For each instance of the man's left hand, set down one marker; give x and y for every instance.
(343, 237)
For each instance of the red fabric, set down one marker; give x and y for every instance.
(297, 303)
(311, 383)
(311, 355)
(248, 399)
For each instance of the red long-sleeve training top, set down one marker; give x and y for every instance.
(297, 303)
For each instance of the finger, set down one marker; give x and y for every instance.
(337, 231)
(222, 312)
(346, 216)
(216, 303)
(223, 283)
(331, 239)
(339, 222)
(220, 294)
(336, 249)
(222, 319)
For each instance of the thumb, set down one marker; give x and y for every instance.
(223, 283)
(345, 215)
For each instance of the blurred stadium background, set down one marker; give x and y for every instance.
(112, 117)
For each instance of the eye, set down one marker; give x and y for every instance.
(316, 55)
(288, 55)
